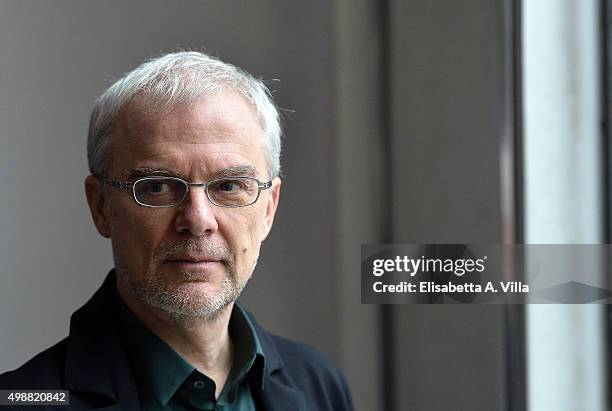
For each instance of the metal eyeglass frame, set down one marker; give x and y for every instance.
(129, 186)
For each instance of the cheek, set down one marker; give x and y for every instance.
(134, 233)
(245, 236)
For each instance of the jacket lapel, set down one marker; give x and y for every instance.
(96, 363)
(279, 393)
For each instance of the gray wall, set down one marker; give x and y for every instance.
(56, 57)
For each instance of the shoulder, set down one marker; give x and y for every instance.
(305, 368)
(314, 372)
(44, 371)
(304, 357)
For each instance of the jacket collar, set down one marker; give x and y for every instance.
(96, 362)
(279, 392)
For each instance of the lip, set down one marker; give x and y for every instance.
(193, 265)
(192, 259)
(199, 271)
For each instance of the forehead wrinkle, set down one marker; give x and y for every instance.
(188, 136)
(234, 128)
(191, 143)
(166, 142)
(187, 161)
(179, 157)
(144, 130)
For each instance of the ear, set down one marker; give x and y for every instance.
(95, 199)
(271, 208)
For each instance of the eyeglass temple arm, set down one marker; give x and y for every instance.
(125, 185)
(120, 184)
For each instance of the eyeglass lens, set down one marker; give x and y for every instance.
(168, 191)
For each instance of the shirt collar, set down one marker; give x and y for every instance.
(159, 370)
(249, 352)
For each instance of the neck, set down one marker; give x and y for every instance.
(205, 344)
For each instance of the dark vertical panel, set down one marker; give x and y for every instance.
(451, 108)
(387, 312)
(359, 105)
(514, 315)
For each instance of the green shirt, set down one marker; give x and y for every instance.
(166, 381)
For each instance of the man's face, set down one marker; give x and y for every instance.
(195, 258)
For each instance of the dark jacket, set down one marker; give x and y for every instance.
(92, 364)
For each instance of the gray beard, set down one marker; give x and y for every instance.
(186, 309)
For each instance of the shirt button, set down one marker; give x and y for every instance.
(199, 384)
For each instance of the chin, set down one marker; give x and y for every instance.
(195, 300)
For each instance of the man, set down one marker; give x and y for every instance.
(184, 154)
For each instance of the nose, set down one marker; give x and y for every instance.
(196, 214)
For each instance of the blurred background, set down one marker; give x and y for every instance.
(406, 121)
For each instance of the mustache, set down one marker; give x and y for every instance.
(176, 248)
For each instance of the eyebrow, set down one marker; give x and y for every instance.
(235, 171)
(151, 171)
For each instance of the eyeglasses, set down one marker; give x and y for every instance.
(158, 192)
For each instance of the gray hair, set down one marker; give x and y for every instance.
(180, 78)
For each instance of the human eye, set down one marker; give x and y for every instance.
(233, 191)
(228, 185)
(158, 186)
